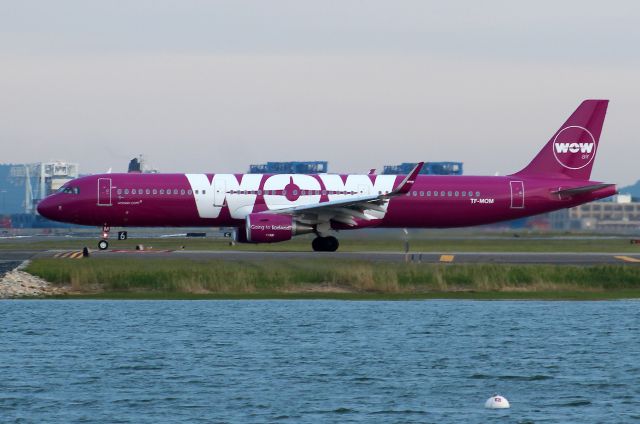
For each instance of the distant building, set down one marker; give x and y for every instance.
(11, 192)
(621, 214)
(429, 168)
(315, 167)
(23, 185)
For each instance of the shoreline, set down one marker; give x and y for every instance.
(476, 296)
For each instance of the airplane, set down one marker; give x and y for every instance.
(269, 208)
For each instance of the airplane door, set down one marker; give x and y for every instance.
(219, 192)
(517, 194)
(104, 191)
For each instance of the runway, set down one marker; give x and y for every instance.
(553, 258)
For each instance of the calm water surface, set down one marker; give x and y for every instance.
(318, 361)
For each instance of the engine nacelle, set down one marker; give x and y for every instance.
(272, 228)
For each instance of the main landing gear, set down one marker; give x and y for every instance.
(325, 244)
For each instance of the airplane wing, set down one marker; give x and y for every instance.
(347, 210)
(581, 190)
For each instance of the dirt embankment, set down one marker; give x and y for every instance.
(17, 283)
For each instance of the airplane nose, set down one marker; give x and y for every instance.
(45, 208)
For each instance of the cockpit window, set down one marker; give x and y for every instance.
(69, 190)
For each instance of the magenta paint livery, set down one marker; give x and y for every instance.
(267, 208)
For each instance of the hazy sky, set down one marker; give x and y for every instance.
(215, 85)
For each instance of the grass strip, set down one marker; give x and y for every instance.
(321, 278)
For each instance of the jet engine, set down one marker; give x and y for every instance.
(272, 228)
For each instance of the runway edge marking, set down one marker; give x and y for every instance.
(446, 258)
(74, 254)
(628, 259)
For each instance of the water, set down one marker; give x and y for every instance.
(318, 361)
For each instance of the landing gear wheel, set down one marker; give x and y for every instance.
(331, 244)
(325, 244)
(103, 245)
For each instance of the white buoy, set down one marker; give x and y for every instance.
(497, 402)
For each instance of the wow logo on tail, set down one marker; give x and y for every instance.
(574, 147)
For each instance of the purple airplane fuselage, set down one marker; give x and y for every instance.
(168, 200)
(270, 208)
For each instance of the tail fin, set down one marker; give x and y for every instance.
(572, 149)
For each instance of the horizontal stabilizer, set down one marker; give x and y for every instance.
(582, 190)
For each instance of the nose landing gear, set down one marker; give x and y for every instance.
(325, 244)
(104, 244)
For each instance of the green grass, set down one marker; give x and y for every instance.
(347, 279)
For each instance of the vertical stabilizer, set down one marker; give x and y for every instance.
(572, 149)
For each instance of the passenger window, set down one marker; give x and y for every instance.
(182, 192)
(126, 191)
(442, 193)
(204, 191)
(295, 192)
(456, 194)
(428, 193)
(415, 193)
(435, 194)
(155, 191)
(470, 193)
(196, 191)
(477, 194)
(119, 191)
(284, 192)
(259, 192)
(189, 192)
(422, 194)
(175, 191)
(464, 193)
(147, 191)
(449, 193)
(161, 191)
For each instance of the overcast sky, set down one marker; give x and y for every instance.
(211, 86)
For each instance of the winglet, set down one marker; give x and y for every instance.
(408, 181)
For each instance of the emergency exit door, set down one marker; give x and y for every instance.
(104, 191)
(517, 194)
